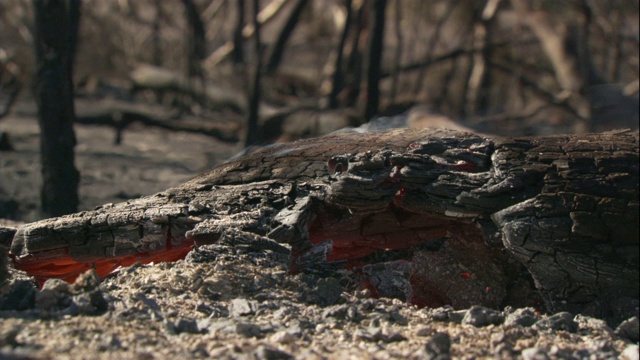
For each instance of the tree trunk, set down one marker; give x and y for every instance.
(429, 216)
(254, 91)
(337, 83)
(196, 51)
(56, 24)
(285, 33)
(374, 58)
(238, 40)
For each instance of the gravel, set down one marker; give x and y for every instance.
(223, 303)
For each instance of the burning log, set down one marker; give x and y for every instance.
(429, 216)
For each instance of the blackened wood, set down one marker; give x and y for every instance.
(374, 57)
(56, 24)
(561, 209)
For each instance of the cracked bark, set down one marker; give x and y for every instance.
(430, 216)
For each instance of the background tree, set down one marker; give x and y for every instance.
(278, 49)
(254, 90)
(56, 27)
(374, 58)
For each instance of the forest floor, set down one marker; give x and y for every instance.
(222, 303)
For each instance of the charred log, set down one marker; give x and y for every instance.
(431, 216)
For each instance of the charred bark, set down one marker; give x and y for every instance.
(374, 58)
(56, 27)
(431, 216)
(278, 49)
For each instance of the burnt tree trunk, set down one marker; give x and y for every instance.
(196, 48)
(56, 23)
(374, 58)
(337, 83)
(238, 41)
(278, 49)
(254, 90)
(429, 216)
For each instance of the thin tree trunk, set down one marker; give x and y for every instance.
(479, 80)
(56, 24)
(155, 35)
(254, 98)
(237, 53)
(353, 72)
(338, 74)
(398, 53)
(374, 58)
(196, 40)
(285, 34)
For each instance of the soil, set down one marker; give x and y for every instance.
(223, 302)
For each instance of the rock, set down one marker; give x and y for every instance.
(441, 313)
(268, 353)
(560, 321)
(55, 295)
(343, 312)
(241, 307)
(21, 296)
(247, 329)
(523, 317)
(437, 347)
(283, 337)
(8, 337)
(184, 325)
(504, 351)
(630, 352)
(328, 291)
(534, 353)
(629, 329)
(371, 334)
(479, 316)
(604, 348)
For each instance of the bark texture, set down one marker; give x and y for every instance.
(429, 216)
(56, 25)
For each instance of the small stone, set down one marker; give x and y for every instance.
(504, 351)
(424, 331)
(630, 352)
(283, 337)
(55, 295)
(534, 353)
(371, 334)
(560, 321)
(8, 337)
(629, 329)
(398, 318)
(21, 296)
(457, 316)
(267, 353)
(109, 342)
(439, 344)
(342, 311)
(394, 337)
(592, 324)
(558, 353)
(328, 291)
(189, 326)
(479, 316)
(87, 281)
(247, 330)
(241, 307)
(441, 313)
(604, 348)
(523, 317)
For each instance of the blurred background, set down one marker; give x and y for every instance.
(116, 99)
